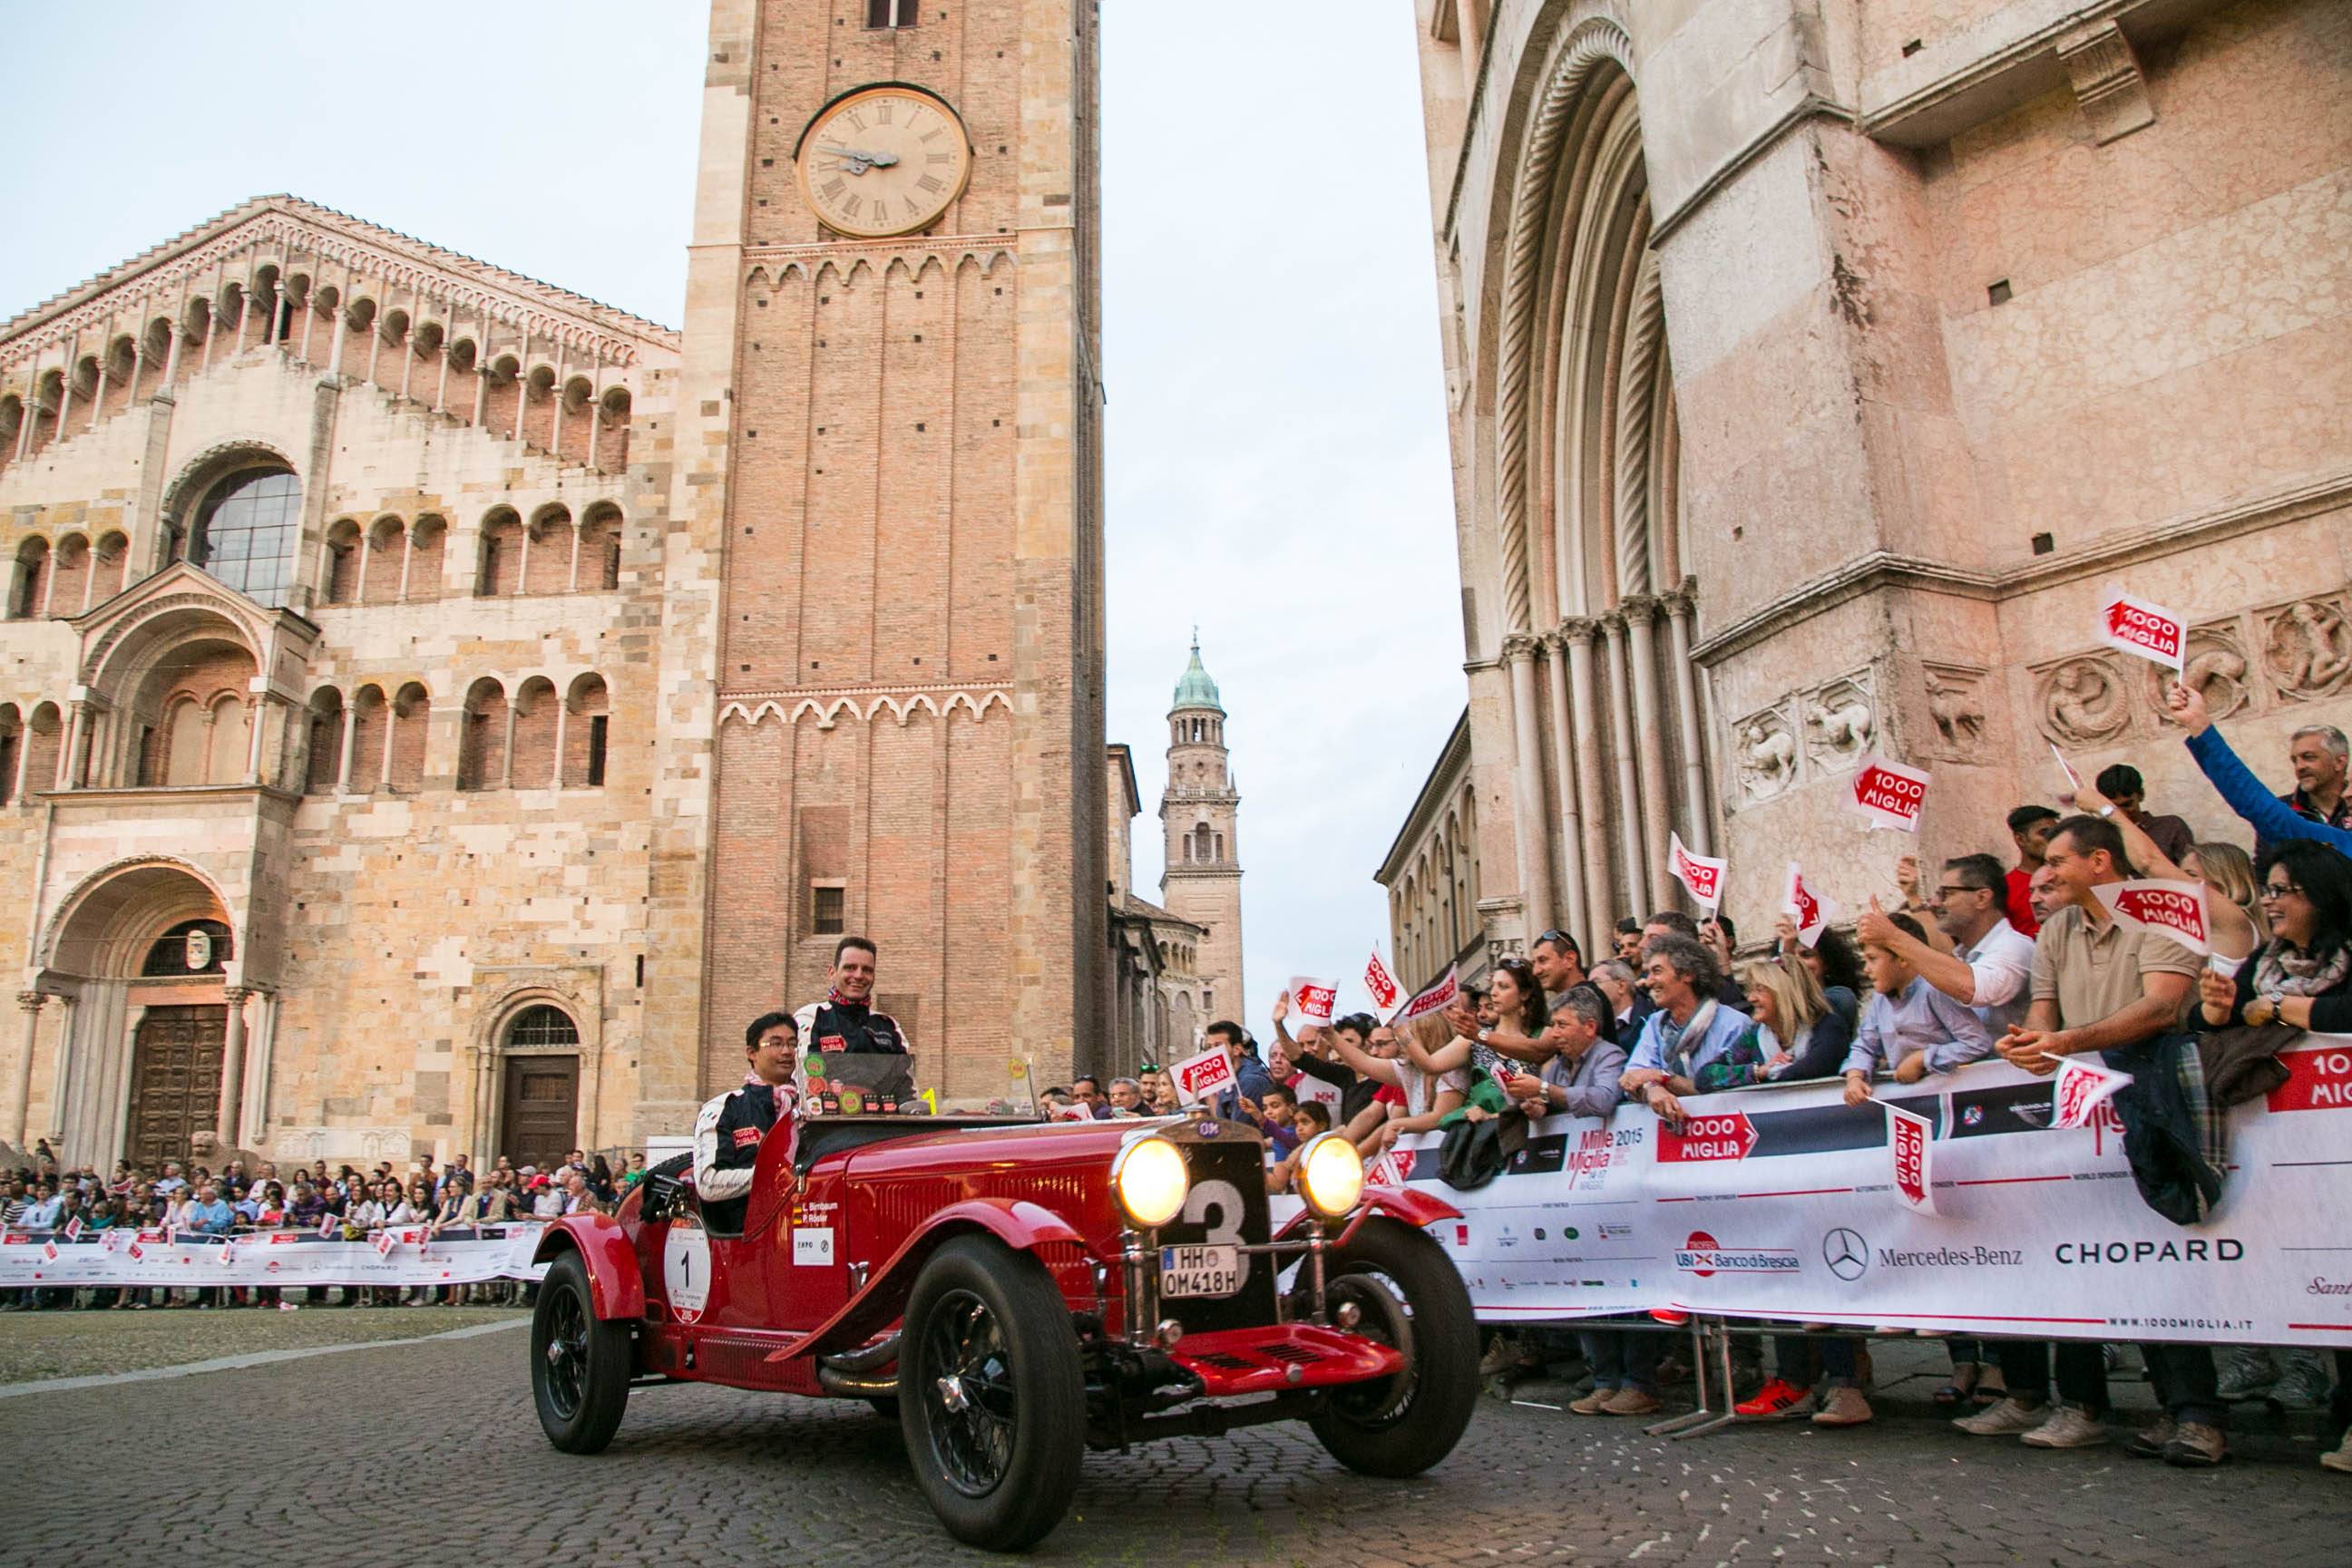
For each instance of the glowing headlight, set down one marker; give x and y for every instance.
(1150, 1182)
(1330, 1175)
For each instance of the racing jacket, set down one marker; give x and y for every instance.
(726, 1136)
(831, 1026)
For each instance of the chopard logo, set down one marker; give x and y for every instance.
(2196, 1250)
(1846, 1253)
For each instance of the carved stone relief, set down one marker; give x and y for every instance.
(2307, 649)
(1956, 702)
(1841, 723)
(1764, 752)
(2216, 666)
(2083, 700)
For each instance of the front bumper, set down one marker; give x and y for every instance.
(1280, 1357)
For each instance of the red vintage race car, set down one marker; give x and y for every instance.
(1015, 1292)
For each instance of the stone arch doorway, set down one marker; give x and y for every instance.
(149, 1045)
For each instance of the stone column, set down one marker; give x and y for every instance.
(232, 1083)
(1571, 834)
(1526, 780)
(562, 714)
(29, 1003)
(1641, 614)
(76, 757)
(1579, 634)
(351, 735)
(506, 749)
(1697, 815)
(1629, 790)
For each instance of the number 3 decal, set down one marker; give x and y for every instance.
(1224, 1199)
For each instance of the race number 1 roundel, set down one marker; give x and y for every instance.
(686, 1271)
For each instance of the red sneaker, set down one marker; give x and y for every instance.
(1777, 1401)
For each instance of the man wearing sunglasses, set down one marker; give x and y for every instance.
(1990, 961)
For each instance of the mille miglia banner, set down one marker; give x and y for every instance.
(408, 1255)
(1782, 1202)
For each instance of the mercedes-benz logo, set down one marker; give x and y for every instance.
(1846, 1253)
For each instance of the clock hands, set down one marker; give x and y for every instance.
(858, 162)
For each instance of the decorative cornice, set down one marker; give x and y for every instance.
(753, 708)
(465, 282)
(2105, 76)
(1889, 568)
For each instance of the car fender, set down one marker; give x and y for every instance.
(617, 1286)
(1415, 1208)
(1018, 1223)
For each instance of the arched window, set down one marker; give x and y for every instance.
(245, 533)
(32, 578)
(12, 749)
(326, 751)
(1201, 842)
(541, 1027)
(343, 562)
(587, 732)
(191, 947)
(410, 713)
(482, 744)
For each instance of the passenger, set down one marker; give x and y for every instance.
(845, 1021)
(728, 1133)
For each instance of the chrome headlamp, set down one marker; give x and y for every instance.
(1150, 1182)
(1330, 1175)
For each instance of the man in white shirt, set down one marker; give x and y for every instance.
(1991, 964)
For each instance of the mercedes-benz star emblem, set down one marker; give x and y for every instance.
(1846, 1253)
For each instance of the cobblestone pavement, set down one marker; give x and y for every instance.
(428, 1452)
(39, 1345)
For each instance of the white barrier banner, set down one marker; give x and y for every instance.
(1780, 1203)
(459, 1256)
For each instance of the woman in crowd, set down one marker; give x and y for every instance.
(1409, 1100)
(2301, 976)
(1515, 1005)
(1835, 962)
(600, 1181)
(1798, 1034)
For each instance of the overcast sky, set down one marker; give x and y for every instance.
(1277, 442)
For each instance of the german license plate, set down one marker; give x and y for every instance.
(1200, 1271)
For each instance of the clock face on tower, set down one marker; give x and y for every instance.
(883, 160)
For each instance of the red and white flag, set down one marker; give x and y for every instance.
(1392, 1169)
(1814, 910)
(385, 1242)
(1438, 994)
(2174, 909)
(1312, 999)
(50, 1251)
(1198, 1077)
(1910, 1143)
(1702, 878)
(73, 1229)
(329, 1225)
(2141, 626)
(1380, 983)
(1888, 793)
(2082, 1088)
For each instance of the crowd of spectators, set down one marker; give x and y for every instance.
(345, 1202)
(2017, 960)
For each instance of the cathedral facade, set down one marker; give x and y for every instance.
(1811, 368)
(438, 709)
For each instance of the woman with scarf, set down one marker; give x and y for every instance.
(2302, 977)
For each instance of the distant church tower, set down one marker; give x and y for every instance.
(1202, 883)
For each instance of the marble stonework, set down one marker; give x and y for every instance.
(1967, 310)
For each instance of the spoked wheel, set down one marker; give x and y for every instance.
(1411, 1297)
(578, 1365)
(990, 1397)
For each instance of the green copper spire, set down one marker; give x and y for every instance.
(1196, 690)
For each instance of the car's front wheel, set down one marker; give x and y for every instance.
(579, 1365)
(990, 1397)
(1408, 1295)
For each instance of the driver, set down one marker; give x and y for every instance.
(727, 1134)
(845, 1021)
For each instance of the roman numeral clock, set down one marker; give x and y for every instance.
(883, 160)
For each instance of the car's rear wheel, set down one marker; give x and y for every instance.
(1410, 1296)
(992, 1401)
(578, 1365)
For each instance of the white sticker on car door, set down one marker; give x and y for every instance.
(813, 1244)
(686, 1271)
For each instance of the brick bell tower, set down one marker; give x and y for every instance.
(889, 476)
(1198, 816)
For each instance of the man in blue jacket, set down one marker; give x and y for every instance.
(2316, 809)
